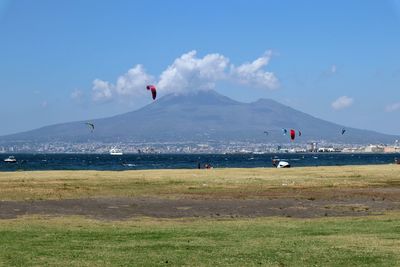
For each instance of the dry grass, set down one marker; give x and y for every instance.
(215, 183)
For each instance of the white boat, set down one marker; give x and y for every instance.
(116, 152)
(10, 159)
(283, 164)
(280, 164)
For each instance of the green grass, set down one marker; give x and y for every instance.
(74, 241)
(215, 183)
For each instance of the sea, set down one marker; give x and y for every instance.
(106, 162)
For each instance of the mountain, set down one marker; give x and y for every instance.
(202, 116)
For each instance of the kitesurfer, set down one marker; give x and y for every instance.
(292, 134)
(90, 125)
(153, 90)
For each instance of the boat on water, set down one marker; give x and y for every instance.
(10, 159)
(116, 152)
(283, 164)
(280, 163)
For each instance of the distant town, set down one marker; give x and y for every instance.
(212, 147)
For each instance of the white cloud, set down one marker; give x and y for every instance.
(102, 90)
(342, 102)
(133, 82)
(393, 107)
(188, 73)
(253, 74)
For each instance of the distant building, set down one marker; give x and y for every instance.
(326, 149)
(374, 149)
(392, 149)
(312, 147)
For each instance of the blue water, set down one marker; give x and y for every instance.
(165, 161)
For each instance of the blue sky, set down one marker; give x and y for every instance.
(337, 60)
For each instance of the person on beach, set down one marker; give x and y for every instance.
(207, 166)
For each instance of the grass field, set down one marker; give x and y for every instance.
(215, 183)
(147, 241)
(72, 241)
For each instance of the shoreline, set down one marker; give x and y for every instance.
(195, 168)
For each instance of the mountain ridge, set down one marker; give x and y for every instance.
(202, 116)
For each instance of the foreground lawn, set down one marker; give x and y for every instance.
(74, 241)
(215, 183)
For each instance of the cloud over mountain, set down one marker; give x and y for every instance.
(254, 75)
(102, 90)
(189, 73)
(186, 74)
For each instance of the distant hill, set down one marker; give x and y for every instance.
(202, 116)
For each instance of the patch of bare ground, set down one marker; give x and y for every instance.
(313, 193)
(221, 193)
(128, 208)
